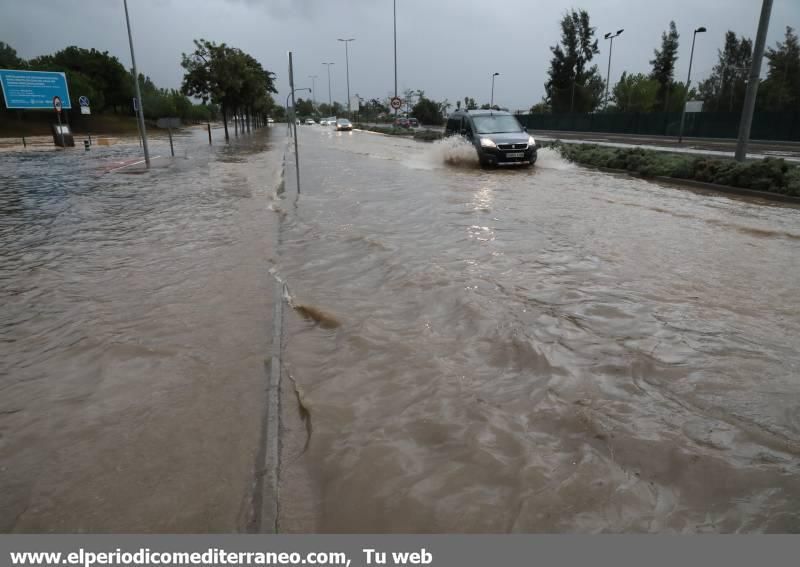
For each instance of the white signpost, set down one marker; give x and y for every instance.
(396, 103)
(694, 106)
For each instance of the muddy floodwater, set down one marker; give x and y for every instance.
(551, 349)
(133, 317)
(543, 350)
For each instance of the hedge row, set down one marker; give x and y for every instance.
(773, 175)
(427, 135)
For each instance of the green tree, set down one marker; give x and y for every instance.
(304, 107)
(427, 111)
(469, 103)
(98, 72)
(278, 113)
(9, 58)
(664, 65)
(228, 77)
(636, 93)
(781, 89)
(541, 108)
(572, 85)
(725, 87)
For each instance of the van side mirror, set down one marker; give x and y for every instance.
(525, 128)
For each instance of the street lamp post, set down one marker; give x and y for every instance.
(701, 29)
(491, 101)
(347, 66)
(749, 105)
(313, 90)
(395, 49)
(610, 36)
(330, 101)
(294, 111)
(138, 91)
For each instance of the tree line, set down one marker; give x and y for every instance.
(227, 81)
(108, 85)
(229, 77)
(575, 84)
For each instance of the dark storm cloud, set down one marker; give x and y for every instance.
(448, 48)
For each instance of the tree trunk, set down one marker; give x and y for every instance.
(225, 122)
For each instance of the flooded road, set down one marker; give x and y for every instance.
(544, 350)
(135, 313)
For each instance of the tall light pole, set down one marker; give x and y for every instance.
(701, 29)
(347, 66)
(138, 92)
(395, 49)
(313, 90)
(610, 36)
(752, 84)
(330, 101)
(491, 102)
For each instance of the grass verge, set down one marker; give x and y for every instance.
(425, 135)
(771, 175)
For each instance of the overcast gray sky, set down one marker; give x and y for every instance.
(448, 48)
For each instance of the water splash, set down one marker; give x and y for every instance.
(549, 158)
(451, 151)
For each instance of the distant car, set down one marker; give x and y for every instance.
(413, 123)
(310, 122)
(343, 124)
(270, 121)
(498, 136)
(401, 123)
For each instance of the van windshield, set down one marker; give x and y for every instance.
(496, 124)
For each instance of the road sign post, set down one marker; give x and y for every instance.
(57, 107)
(86, 109)
(396, 103)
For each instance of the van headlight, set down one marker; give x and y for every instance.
(531, 141)
(487, 143)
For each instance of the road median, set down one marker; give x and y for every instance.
(771, 178)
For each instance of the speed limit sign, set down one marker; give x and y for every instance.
(396, 103)
(57, 103)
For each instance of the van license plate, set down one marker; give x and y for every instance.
(515, 154)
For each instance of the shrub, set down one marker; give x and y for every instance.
(770, 174)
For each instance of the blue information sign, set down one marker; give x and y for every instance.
(33, 89)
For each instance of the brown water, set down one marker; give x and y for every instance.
(134, 317)
(553, 349)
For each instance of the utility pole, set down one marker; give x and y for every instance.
(611, 37)
(330, 101)
(395, 50)
(749, 106)
(701, 29)
(294, 121)
(313, 90)
(138, 91)
(347, 64)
